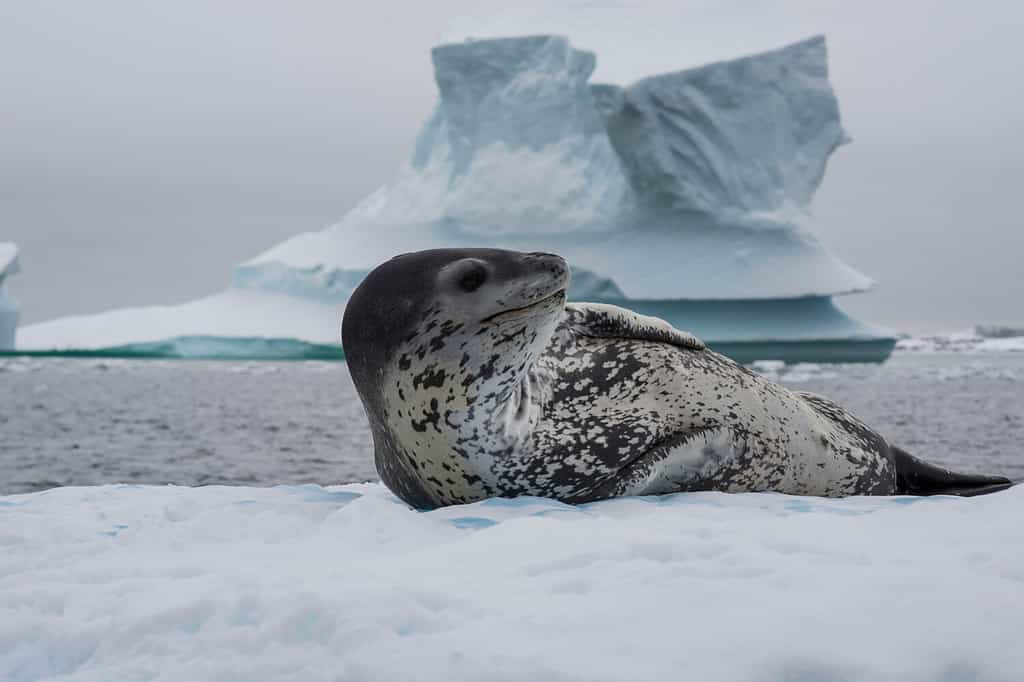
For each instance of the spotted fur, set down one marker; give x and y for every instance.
(505, 390)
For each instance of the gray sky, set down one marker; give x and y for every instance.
(147, 147)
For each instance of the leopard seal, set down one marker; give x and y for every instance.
(479, 380)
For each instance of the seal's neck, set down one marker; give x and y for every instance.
(471, 394)
(502, 378)
(455, 399)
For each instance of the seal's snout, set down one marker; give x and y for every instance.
(550, 268)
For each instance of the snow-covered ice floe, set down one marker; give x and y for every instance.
(236, 323)
(346, 583)
(685, 195)
(980, 339)
(9, 308)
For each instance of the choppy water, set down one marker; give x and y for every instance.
(85, 422)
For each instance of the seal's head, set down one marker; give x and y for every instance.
(460, 290)
(439, 344)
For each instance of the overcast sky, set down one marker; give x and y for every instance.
(146, 147)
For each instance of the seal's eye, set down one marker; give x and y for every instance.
(473, 277)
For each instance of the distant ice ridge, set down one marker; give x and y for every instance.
(346, 583)
(9, 309)
(673, 194)
(979, 339)
(234, 323)
(999, 331)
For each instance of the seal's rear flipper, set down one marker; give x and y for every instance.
(915, 477)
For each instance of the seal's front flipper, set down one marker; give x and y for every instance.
(915, 477)
(602, 320)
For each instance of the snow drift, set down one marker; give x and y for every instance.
(346, 583)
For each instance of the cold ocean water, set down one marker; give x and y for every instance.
(87, 422)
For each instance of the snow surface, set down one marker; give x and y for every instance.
(347, 583)
(9, 308)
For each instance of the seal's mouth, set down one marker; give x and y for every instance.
(557, 297)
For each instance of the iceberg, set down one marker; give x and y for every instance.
(543, 174)
(9, 308)
(684, 195)
(743, 139)
(237, 323)
(128, 582)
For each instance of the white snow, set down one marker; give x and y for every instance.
(9, 308)
(346, 583)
